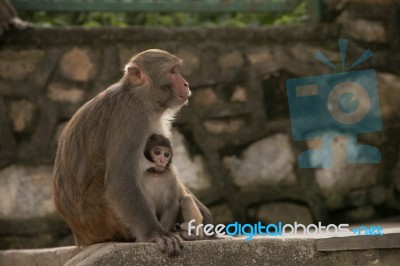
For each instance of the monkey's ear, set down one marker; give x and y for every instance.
(136, 75)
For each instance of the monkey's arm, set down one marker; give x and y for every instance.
(190, 210)
(125, 195)
(183, 190)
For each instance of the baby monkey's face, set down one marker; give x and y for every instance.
(161, 156)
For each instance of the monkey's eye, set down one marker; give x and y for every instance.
(167, 154)
(173, 70)
(157, 151)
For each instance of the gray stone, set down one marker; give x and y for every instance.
(26, 192)
(269, 161)
(191, 169)
(221, 252)
(389, 95)
(38, 257)
(191, 62)
(306, 53)
(335, 4)
(204, 97)
(36, 234)
(125, 54)
(365, 196)
(342, 177)
(396, 179)
(22, 114)
(232, 60)
(58, 93)
(362, 29)
(76, 65)
(223, 126)
(377, 195)
(239, 95)
(222, 214)
(268, 59)
(364, 213)
(265, 251)
(357, 198)
(260, 56)
(284, 212)
(18, 65)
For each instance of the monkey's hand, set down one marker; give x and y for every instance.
(169, 243)
(186, 235)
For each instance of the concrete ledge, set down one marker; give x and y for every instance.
(37, 257)
(261, 251)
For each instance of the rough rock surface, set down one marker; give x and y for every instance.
(222, 252)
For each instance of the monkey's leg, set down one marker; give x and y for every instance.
(190, 211)
(92, 221)
(170, 216)
(207, 217)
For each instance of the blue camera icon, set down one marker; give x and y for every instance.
(345, 103)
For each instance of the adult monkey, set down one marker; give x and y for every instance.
(99, 157)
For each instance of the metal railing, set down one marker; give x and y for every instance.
(202, 6)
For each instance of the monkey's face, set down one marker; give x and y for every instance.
(182, 91)
(175, 86)
(161, 71)
(161, 156)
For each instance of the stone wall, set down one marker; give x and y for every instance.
(233, 141)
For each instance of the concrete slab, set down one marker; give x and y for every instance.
(295, 250)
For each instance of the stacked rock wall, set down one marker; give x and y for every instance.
(233, 142)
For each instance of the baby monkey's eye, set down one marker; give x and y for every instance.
(167, 154)
(157, 151)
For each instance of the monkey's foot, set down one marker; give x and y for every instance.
(190, 236)
(175, 228)
(19, 23)
(171, 244)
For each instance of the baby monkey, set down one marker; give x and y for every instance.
(169, 199)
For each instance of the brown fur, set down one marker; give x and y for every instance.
(97, 167)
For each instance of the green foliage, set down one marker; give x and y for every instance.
(180, 19)
(298, 15)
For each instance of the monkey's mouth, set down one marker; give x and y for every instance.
(184, 95)
(159, 168)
